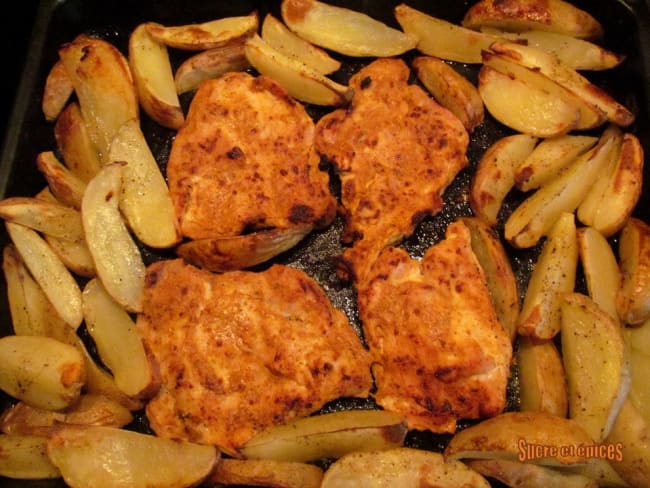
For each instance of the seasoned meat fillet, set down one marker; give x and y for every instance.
(245, 160)
(240, 351)
(396, 151)
(439, 352)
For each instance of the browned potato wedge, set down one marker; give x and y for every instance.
(524, 107)
(50, 218)
(542, 381)
(58, 90)
(329, 435)
(640, 361)
(104, 87)
(535, 216)
(451, 89)
(550, 66)
(281, 38)
(117, 340)
(300, 81)
(495, 174)
(21, 290)
(443, 39)
(207, 35)
(600, 269)
(549, 158)
(77, 150)
(633, 300)
(344, 30)
(597, 388)
(144, 199)
(64, 184)
(154, 78)
(577, 53)
(516, 473)
(24, 457)
(400, 467)
(75, 255)
(523, 15)
(554, 273)
(500, 277)
(210, 64)
(117, 258)
(517, 435)
(112, 458)
(41, 371)
(265, 472)
(50, 273)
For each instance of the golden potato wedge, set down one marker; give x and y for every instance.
(104, 86)
(265, 472)
(549, 65)
(542, 380)
(77, 150)
(328, 435)
(20, 289)
(75, 255)
(495, 174)
(549, 158)
(277, 35)
(117, 258)
(206, 35)
(517, 436)
(639, 361)
(576, 53)
(523, 15)
(24, 457)
(50, 218)
(344, 30)
(500, 277)
(516, 473)
(67, 187)
(597, 388)
(112, 458)
(400, 467)
(154, 79)
(600, 268)
(442, 39)
(58, 90)
(210, 64)
(633, 298)
(524, 107)
(554, 274)
(144, 199)
(300, 81)
(535, 216)
(41, 371)
(50, 273)
(230, 253)
(590, 115)
(451, 89)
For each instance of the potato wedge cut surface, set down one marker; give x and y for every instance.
(24, 457)
(633, 300)
(265, 472)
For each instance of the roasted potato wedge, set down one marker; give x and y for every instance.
(495, 173)
(400, 467)
(553, 274)
(117, 257)
(47, 217)
(110, 457)
(633, 299)
(597, 389)
(144, 199)
(104, 86)
(75, 255)
(154, 78)
(265, 472)
(443, 39)
(300, 81)
(66, 187)
(344, 30)
(206, 35)
(277, 35)
(329, 435)
(41, 371)
(542, 380)
(451, 89)
(25, 457)
(549, 158)
(58, 90)
(79, 153)
(552, 15)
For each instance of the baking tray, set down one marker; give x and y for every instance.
(627, 30)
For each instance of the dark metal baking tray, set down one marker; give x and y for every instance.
(627, 30)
